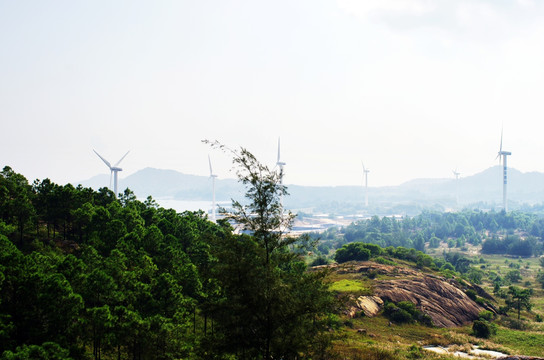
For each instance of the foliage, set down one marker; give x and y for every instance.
(429, 229)
(486, 315)
(276, 306)
(405, 312)
(519, 299)
(483, 329)
(353, 251)
(120, 278)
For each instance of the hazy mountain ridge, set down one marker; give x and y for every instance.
(483, 187)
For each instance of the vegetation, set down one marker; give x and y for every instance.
(405, 312)
(513, 233)
(85, 275)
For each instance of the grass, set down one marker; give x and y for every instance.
(529, 343)
(348, 286)
(375, 338)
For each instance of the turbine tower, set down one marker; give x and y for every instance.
(504, 155)
(113, 170)
(212, 176)
(456, 174)
(281, 164)
(365, 174)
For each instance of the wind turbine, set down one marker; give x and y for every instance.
(113, 170)
(365, 174)
(456, 174)
(281, 164)
(504, 155)
(212, 176)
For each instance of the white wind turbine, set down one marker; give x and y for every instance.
(281, 164)
(212, 176)
(456, 174)
(365, 175)
(113, 170)
(504, 155)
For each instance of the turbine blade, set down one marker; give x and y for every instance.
(362, 163)
(210, 162)
(104, 160)
(117, 163)
(500, 148)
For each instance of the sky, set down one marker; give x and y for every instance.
(412, 88)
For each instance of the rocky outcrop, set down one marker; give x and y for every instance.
(444, 303)
(443, 300)
(370, 305)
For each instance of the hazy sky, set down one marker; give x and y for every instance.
(414, 88)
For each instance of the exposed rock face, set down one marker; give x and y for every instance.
(444, 303)
(370, 305)
(443, 300)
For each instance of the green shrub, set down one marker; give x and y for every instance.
(415, 352)
(515, 324)
(483, 329)
(320, 260)
(486, 315)
(471, 294)
(405, 312)
(538, 318)
(352, 251)
(479, 301)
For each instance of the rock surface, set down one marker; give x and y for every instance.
(370, 305)
(442, 299)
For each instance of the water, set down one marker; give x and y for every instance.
(475, 352)
(189, 205)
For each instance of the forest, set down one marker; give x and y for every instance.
(86, 275)
(512, 233)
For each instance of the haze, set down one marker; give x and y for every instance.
(413, 88)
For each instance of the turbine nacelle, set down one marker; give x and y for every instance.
(113, 170)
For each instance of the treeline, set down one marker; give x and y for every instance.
(85, 275)
(512, 233)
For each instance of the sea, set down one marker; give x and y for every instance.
(189, 205)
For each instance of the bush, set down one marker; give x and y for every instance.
(515, 324)
(397, 314)
(538, 318)
(480, 301)
(514, 276)
(471, 294)
(483, 329)
(486, 315)
(415, 352)
(405, 312)
(320, 260)
(352, 251)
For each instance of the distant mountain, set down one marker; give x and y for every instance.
(161, 183)
(484, 188)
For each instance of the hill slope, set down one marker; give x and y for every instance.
(410, 197)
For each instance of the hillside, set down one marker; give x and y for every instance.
(483, 190)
